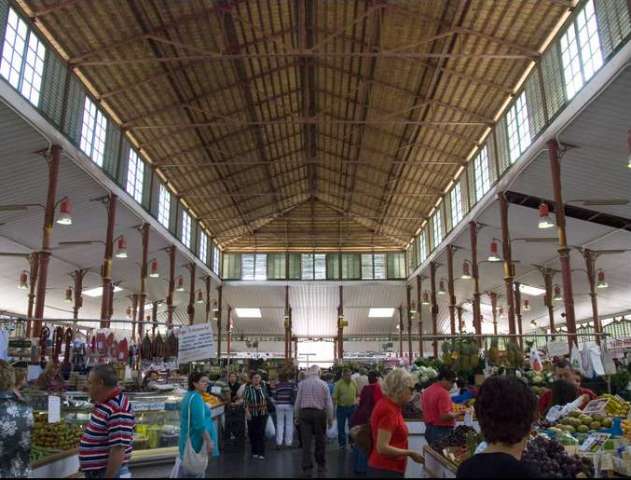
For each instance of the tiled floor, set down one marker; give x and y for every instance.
(283, 463)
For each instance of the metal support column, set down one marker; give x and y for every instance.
(419, 309)
(170, 306)
(547, 299)
(409, 312)
(106, 269)
(590, 264)
(401, 329)
(451, 288)
(219, 308)
(134, 315)
(154, 318)
(509, 267)
(564, 251)
(493, 297)
(520, 327)
(340, 329)
(460, 320)
(208, 281)
(229, 327)
(44, 254)
(142, 295)
(432, 268)
(475, 273)
(190, 309)
(77, 277)
(34, 267)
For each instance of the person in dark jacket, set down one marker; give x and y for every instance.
(368, 398)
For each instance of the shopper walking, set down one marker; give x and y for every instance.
(506, 408)
(16, 420)
(389, 454)
(196, 423)
(284, 398)
(345, 398)
(256, 413)
(368, 398)
(106, 443)
(314, 410)
(437, 407)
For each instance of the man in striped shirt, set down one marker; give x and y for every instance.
(106, 443)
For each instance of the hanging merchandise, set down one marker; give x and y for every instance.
(535, 360)
(586, 362)
(78, 355)
(145, 348)
(58, 339)
(575, 358)
(171, 344)
(158, 348)
(43, 344)
(123, 350)
(609, 365)
(67, 347)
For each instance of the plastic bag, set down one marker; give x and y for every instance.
(607, 360)
(332, 432)
(597, 367)
(270, 429)
(586, 362)
(575, 358)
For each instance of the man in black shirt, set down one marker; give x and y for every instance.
(506, 408)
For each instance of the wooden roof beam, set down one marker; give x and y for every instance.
(40, 12)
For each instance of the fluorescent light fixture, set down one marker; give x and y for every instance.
(98, 291)
(385, 312)
(530, 290)
(248, 312)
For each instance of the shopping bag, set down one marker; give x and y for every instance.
(575, 358)
(586, 362)
(598, 369)
(607, 359)
(270, 430)
(332, 432)
(194, 462)
(176, 468)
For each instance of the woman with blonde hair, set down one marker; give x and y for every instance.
(389, 432)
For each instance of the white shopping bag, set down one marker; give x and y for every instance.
(332, 432)
(270, 430)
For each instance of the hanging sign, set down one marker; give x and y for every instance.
(558, 348)
(195, 343)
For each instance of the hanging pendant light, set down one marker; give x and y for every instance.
(412, 308)
(154, 269)
(128, 313)
(179, 284)
(494, 249)
(557, 294)
(425, 298)
(68, 295)
(200, 296)
(65, 212)
(533, 323)
(526, 305)
(466, 271)
(23, 280)
(544, 216)
(215, 306)
(441, 287)
(121, 247)
(602, 283)
(502, 312)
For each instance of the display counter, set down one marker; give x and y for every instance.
(155, 438)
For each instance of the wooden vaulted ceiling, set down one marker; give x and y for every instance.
(303, 123)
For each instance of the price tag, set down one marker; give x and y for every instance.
(54, 409)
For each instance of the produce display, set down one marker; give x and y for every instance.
(551, 460)
(578, 422)
(616, 406)
(58, 436)
(462, 436)
(461, 355)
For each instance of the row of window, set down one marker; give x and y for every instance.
(580, 56)
(22, 64)
(314, 266)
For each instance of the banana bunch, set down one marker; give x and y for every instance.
(616, 406)
(626, 428)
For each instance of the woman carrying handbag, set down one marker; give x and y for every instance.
(196, 431)
(257, 409)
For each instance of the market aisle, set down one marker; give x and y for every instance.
(284, 463)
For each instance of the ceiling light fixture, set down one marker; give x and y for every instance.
(154, 269)
(544, 216)
(425, 298)
(466, 271)
(602, 283)
(98, 291)
(248, 312)
(557, 294)
(381, 312)
(200, 296)
(69, 295)
(128, 313)
(441, 287)
(494, 252)
(179, 284)
(533, 323)
(65, 212)
(215, 306)
(121, 247)
(23, 280)
(526, 305)
(412, 308)
(530, 290)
